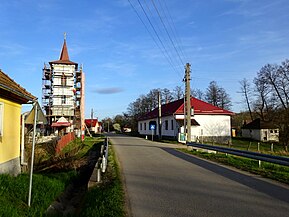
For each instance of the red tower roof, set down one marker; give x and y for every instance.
(64, 57)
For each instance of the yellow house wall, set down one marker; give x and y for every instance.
(10, 141)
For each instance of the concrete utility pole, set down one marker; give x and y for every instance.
(188, 101)
(160, 115)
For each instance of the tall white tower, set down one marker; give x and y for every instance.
(62, 92)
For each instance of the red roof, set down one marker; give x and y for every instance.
(177, 107)
(89, 122)
(64, 57)
(60, 124)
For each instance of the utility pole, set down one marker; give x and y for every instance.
(188, 101)
(160, 115)
(91, 117)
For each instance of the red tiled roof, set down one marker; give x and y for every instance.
(89, 122)
(201, 107)
(13, 90)
(64, 57)
(177, 107)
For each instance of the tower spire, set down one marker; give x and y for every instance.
(64, 51)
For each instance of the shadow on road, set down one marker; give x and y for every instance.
(272, 190)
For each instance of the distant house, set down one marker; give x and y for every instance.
(208, 122)
(12, 96)
(93, 125)
(261, 130)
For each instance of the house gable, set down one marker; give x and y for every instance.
(12, 91)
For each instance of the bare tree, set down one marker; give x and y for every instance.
(224, 99)
(211, 95)
(199, 94)
(178, 93)
(270, 75)
(246, 92)
(167, 96)
(217, 96)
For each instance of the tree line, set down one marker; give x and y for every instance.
(267, 97)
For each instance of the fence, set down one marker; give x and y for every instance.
(248, 154)
(64, 140)
(101, 165)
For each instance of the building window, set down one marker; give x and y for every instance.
(166, 124)
(140, 126)
(63, 100)
(275, 131)
(145, 126)
(1, 118)
(63, 80)
(172, 124)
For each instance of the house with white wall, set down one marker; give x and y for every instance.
(259, 130)
(208, 122)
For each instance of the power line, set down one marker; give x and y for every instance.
(167, 32)
(172, 27)
(161, 44)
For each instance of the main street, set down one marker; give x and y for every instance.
(161, 181)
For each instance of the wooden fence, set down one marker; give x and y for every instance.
(64, 141)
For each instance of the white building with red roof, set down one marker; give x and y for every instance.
(209, 123)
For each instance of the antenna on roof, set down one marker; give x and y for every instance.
(65, 36)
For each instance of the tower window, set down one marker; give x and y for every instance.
(63, 80)
(63, 99)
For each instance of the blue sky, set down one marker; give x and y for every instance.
(223, 40)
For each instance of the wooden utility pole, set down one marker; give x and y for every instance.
(160, 115)
(188, 101)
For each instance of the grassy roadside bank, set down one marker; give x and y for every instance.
(107, 198)
(51, 177)
(267, 170)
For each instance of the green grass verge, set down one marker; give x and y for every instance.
(107, 198)
(251, 145)
(268, 170)
(47, 186)
(14, 193)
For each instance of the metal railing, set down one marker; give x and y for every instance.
(284, 161)
(101, 164)
(104, 155)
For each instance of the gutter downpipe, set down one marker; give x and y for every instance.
(22, 140)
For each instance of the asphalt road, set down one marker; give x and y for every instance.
(161, 181)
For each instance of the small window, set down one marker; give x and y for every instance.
(172, 124)
(63, 80)
(140, 126)
(271, 131)
(63, 99)
(275, 131)
(166, 124)
(1, 118)
(145, 126)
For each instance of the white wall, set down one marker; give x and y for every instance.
(252, 134)
(260, 134)
(213, 125)
(210, 125)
